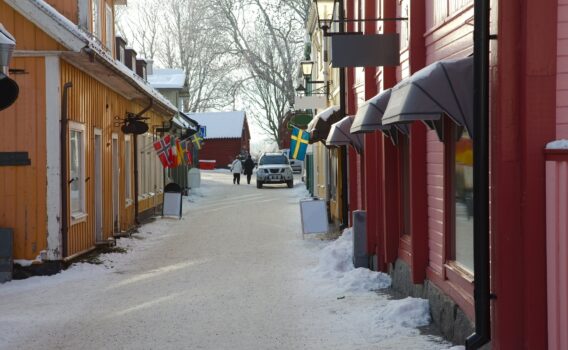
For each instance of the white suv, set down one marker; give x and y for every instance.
(274, 168)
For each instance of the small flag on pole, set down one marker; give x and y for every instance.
(163, 148)
(179, 152)
(299, 144)
(197, 140)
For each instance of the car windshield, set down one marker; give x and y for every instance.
(273, 160)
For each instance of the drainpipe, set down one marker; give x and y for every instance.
(63, 176)
(344, 180)
(482, 293)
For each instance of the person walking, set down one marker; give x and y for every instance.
(249, 166)
(236, 169)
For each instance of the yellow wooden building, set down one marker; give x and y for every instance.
(79, 187)
(327, 162)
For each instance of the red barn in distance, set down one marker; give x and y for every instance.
(226, 136)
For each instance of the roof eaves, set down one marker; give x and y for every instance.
(72, 37)
(56, 26)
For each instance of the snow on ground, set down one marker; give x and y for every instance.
(267, 288)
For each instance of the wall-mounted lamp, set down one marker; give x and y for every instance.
(307, 68)
(9, 87)
(326, 13)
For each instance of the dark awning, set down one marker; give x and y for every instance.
(444, 87)
(339, 135)
(370, 114)
(193, 124)
(321, 124)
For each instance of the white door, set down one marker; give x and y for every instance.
(115, 184)
(98, 186)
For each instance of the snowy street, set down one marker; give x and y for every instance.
(234, 273)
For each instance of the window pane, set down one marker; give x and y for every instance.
(464, 201)
(109, 27)
(75, 170)
(127, 171)
(96, 17)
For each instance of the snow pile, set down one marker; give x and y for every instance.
(459, 347)
(336, 262)
(558, 144)
(409, 312)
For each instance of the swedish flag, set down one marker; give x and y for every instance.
(299, 144)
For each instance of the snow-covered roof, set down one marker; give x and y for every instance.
(221, 125)
(74, 38)
(167, 78)
(557, 144)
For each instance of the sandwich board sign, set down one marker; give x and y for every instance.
(314, 216)
(172, 200)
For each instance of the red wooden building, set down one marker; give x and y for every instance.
(226, 136)
(417, 192)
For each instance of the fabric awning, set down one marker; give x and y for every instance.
(340, 135)
(444, 87)
(370, 114)
(321, 124)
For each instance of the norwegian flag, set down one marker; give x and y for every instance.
(163, 148)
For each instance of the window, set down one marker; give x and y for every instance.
(148, 165)
(109, 25)
(122, 55)
(404, 168)
(463, 200)
(334, 168)
(127, 170)
(141, 161)
(77, 170)
(96, 18)
(403, 25)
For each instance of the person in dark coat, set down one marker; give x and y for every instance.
(249, 166)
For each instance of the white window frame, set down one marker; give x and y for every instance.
(109, 26)
(96, 18)
(81, 214)
(128, 169)
(141, 163)
(148, 170)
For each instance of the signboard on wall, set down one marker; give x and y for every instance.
(310, 102)
(370, 50)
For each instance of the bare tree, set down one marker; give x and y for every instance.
(139, 24)
(269, 49)
(235, 52)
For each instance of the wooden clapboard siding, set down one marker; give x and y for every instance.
(96, 106)
(23, 188)
(68, 8)
(449, 34)
(28, 36)
(562, 71)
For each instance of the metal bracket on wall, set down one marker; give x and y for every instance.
(14, 158)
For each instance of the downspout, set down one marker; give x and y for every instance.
(135, 147)
(482, 292)
(63, 176)
(344, 149)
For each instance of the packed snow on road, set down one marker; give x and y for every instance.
(234, 273)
